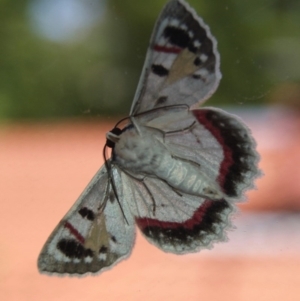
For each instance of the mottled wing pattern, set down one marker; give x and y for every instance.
(89, 239)
(182, 62)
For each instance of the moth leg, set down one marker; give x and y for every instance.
(186, 160)
(111, 181)
(164, 133)
(103, 204)
(166, 182)
(189, 127)
(142, 180)
(151, 195)
(173, 188)
(132, 119)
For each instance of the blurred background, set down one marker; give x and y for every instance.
(68, 72)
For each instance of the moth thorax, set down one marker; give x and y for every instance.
(138, 152)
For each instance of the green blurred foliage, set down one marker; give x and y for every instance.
(97, 74)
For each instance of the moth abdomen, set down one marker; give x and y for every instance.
(189, 178)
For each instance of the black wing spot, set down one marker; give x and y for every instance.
(197, 61)
(177, 36)
(197, 76)
(159, 70)
(87, 213)
(112, 196)
(113, 238)
(161, 100)
(73, 249)
(103, 250)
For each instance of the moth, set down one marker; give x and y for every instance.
(176, 171)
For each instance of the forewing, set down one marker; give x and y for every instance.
(88, 238)
(182, 63)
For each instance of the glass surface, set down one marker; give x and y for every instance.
(63, 86)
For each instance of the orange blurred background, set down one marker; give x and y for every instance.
(44, 168)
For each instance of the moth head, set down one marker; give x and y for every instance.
(112, 137)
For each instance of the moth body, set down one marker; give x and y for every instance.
(189, 178)
(176, 170)
(146, 154)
